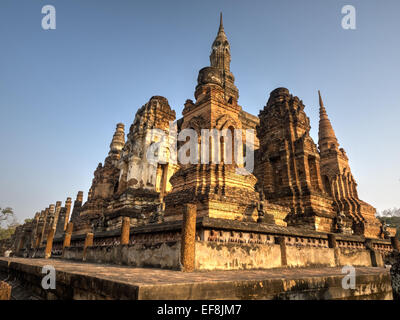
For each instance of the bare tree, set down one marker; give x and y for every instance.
(6, 214)
(395, 212)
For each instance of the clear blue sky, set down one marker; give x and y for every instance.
(63, 91)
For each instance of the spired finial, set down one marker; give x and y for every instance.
(118, 140)
(320, 99)
(221, 24)
(321, 103)
(326, 134)
(322, 110)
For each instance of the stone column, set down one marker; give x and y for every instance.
(37, 242)
(395, 243)
(68, 204)
(332, 240)
(77, 206)
(126, 225)
(58, 207)
(20, 244)
(88, 243)
(57, 214)
(49, 244)
(281, 242)
(67, 237)
(5, 291)
(43, 230)
(376, 257)
(34, 230)
(39, 227)
(188, 238)
(333, 245)
(50, 219)
(60, 222)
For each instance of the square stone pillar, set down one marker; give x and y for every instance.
(20, 245)
(49, 244)
(376, 257)
(188, 238)
(126, 226)
(37, 243)
(68, 204)
(333, 245)
(88, 243)
(281, 241)
(5, 291)
(67, 237)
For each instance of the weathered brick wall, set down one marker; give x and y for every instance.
(220, 245)
(354, 257)
(234, 256)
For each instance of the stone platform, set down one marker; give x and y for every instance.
(76, 280)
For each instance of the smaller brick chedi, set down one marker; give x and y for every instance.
(297, 191)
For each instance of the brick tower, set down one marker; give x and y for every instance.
(340, 183)
(289, 163)
(216, 187)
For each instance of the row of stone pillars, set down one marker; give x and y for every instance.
(88, 240)
(188, 238)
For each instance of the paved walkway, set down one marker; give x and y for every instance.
(148, 276)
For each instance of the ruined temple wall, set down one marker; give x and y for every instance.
(245, 246)
(222, 256)
(298, 256)
(160, 255)
(354, 257)
(73, 253)
(216, 256)
(231, 256)
(164, 255)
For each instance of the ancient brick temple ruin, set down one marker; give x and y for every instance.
(299, 207)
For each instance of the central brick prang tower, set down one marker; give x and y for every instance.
(215, 186)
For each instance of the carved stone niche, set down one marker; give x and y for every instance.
(343, 224)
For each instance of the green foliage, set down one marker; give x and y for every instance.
(7, 232)
(392, 218)
(7, 223)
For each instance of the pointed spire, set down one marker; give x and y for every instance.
(326, 134)
(116, 146)
(118, 140)
(322, 111)
(221, 24)
(321, 103)
(221, 32)
(220, 56)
